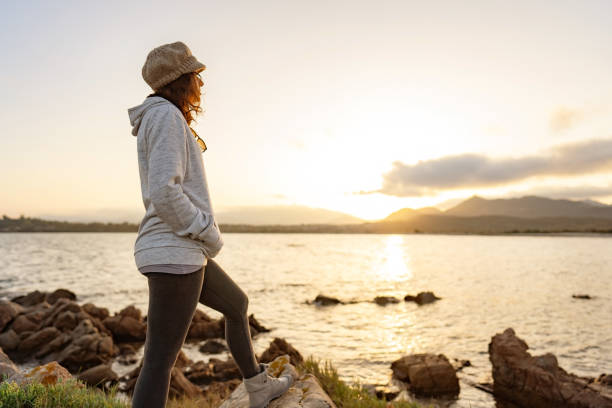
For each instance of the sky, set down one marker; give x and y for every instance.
(363, 107)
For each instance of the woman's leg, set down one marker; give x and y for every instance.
(172, 303)
(221, 293)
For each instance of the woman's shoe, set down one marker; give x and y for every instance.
(263, 388)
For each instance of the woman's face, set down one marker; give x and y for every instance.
(198, 83)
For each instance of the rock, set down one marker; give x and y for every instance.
(538, 381)
(202, 330)
(306, 392)
(8, 311)
(60, 306)
(582, 297)
(53, 297)
(322, 300)
(98, 375)
(88, 348)
(66, 321)
(254, 324)
(199, 373)
(48, 374)
(31, 299)
(181, 386)
(212, 347)
(422, 298)
(95, 311)
(7, 367)
(9, 340)
(384, 300)
(23, 324)
(127, 325)
(427, 374)
(279, 347)
(223, 370)
(38, 339)
(221, 390)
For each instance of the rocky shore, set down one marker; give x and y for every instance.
(61, 338)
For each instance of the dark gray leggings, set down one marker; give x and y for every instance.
(172, 302)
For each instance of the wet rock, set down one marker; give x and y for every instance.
(581, 296)
(385, 300)
(422, 298)
(538, 381)
(8, 311)
(53, 297)
(212, 347)
(306, 391)
(427, 374)
(279, 347)
(127, 325)
(322, 300)
(98, 375)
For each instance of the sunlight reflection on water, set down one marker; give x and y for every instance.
(486, 284)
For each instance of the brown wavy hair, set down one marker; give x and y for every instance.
(184, 93)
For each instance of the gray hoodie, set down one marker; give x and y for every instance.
(178, 226)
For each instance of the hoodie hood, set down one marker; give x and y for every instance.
(136, 113)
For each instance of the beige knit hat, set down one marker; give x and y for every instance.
(167, 62)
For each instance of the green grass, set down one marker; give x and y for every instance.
(71, 393)
(342, 394)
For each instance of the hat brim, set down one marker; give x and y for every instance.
(199, 67)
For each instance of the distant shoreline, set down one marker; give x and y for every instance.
(421, 224)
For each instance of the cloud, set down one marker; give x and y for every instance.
(477, 170)
(564, 118)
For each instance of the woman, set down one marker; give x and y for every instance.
(178, 236)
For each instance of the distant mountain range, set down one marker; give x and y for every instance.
(476, 215)
(523, 207)
(283, 215)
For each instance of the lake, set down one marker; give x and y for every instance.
(487, 284)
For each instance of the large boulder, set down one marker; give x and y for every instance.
(538, 381)
(47, 374)
(427, 374)
(306, 391)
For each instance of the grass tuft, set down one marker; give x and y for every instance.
(342, 394)
(71, 393)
